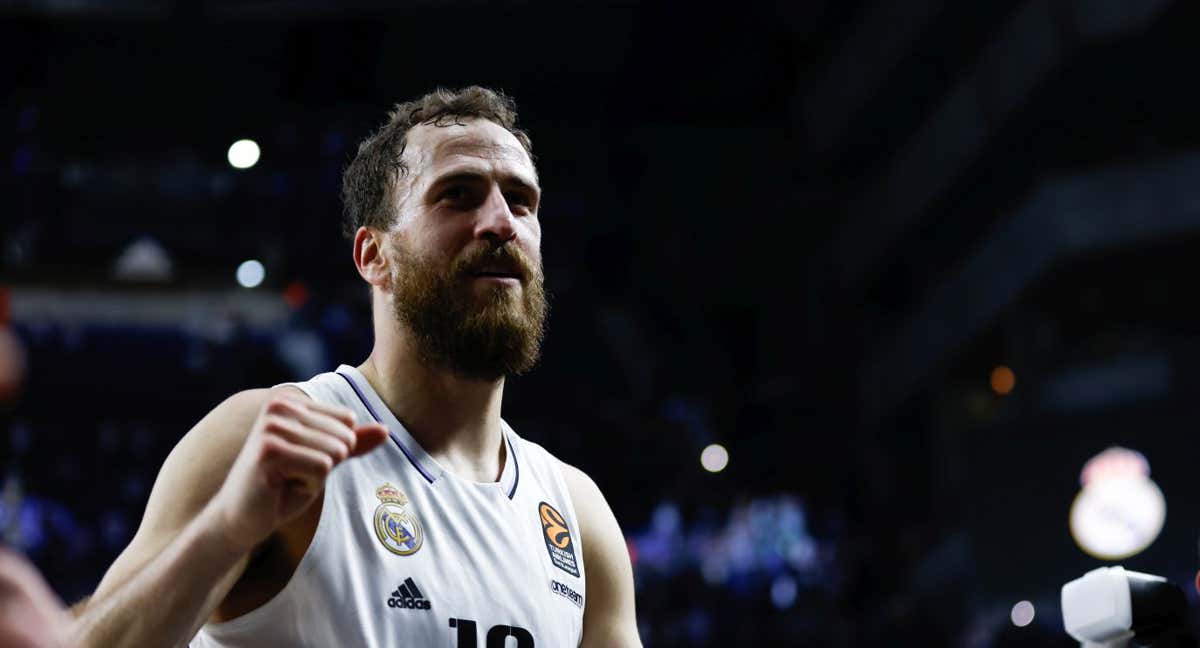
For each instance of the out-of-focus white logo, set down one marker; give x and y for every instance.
(1120, 511)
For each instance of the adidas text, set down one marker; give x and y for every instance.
(409, 603)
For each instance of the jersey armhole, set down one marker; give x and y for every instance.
(268, 611)
(559, 466)
(233, 628)
(304, 388)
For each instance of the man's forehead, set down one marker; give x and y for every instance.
(438, 146)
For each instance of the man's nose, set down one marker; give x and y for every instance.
(496, 222)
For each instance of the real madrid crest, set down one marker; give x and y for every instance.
(396, 524)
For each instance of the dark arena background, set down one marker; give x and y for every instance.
(845, 295)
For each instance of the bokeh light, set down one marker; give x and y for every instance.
(1003, 380)
(251, 273)
(1114, 463)
(243, 154)
(783, 592)
(1022, 614)
(1115, 518)
(714, 458)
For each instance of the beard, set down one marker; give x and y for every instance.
(477, 336)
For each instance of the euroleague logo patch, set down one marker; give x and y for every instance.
(558, 539)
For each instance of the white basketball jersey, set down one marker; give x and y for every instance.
(406, 554)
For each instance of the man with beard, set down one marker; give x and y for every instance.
(389, 504)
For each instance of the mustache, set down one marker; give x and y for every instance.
(507, 257)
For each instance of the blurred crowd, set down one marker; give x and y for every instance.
(80, 458)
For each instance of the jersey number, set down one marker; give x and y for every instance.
(497, 636)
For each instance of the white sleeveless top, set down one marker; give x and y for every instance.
(406, 554)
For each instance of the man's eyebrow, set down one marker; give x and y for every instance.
(476, 176)
(473, 146)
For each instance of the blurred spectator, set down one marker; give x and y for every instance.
(31, 616)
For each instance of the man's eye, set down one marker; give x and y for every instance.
(515, 198)
(455, 193)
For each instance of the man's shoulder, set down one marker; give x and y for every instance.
(584, 493)
(330, 387)
(588, 500)
(219, 434)
(577, 479)
(246, 404)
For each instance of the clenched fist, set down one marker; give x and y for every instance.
(293, 444)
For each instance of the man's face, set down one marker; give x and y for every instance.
(467, 277)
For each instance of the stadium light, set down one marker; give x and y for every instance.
(243, 154)
(1022, 614)
(714, 458)
(251, 273)
(1003, 380)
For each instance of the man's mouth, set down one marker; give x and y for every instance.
(498, 272)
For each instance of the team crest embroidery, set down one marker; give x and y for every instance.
(396, 523)
(558, 539)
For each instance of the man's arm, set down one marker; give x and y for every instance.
(186, 483)
(167, 601)
(609, 619)
(251, 465)
(77, 609)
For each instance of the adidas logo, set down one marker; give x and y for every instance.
(408, 596)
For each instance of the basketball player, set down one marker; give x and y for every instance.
(389, 504)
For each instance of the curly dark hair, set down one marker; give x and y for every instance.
(378, 163)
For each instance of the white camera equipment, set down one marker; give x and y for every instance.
(1110, 607)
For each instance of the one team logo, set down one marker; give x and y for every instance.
(565, 591)
(558, 539)
(396, 524)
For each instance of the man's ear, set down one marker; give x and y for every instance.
(371, 258)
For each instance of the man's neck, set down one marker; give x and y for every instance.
(456, 420)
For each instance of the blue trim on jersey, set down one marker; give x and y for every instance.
(392, 434)
(512, 452)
